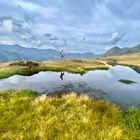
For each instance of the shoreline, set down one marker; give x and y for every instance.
(77, 66)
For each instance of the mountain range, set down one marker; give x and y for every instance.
(17, 52)
(116, 50)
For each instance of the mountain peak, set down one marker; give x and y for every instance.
(115, 47)
(116, 50)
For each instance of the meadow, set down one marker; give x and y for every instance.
(31, 67)
(130, 59)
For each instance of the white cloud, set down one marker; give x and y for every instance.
(99, 22)
(6, 26)
(35, 8)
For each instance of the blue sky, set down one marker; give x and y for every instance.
(74, 25)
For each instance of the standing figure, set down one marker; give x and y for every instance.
(62, 54)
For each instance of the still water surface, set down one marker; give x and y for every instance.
(101, 84)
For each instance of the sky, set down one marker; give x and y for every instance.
(73, 25)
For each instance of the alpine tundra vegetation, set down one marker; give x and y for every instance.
(26, 115)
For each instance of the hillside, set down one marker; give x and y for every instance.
(116, 50)
(134, 49)
(17, 52)
(113, 51)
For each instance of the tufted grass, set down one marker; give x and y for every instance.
(26, 115)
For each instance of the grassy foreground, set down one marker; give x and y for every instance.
(31, 67)
(24, 115)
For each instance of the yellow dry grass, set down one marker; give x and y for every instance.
(131, 59)
(25, 115)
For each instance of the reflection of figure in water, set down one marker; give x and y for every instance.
(62, 75)
(62, 54)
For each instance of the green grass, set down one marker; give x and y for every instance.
(25, 115)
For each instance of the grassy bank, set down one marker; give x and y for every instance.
(24, 115)
(131, 59)
(70, 65)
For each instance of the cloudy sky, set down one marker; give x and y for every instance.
(74, 25)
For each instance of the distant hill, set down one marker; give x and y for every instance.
(113, 51)
(116, 50)
(17, 52)
(134, 49)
